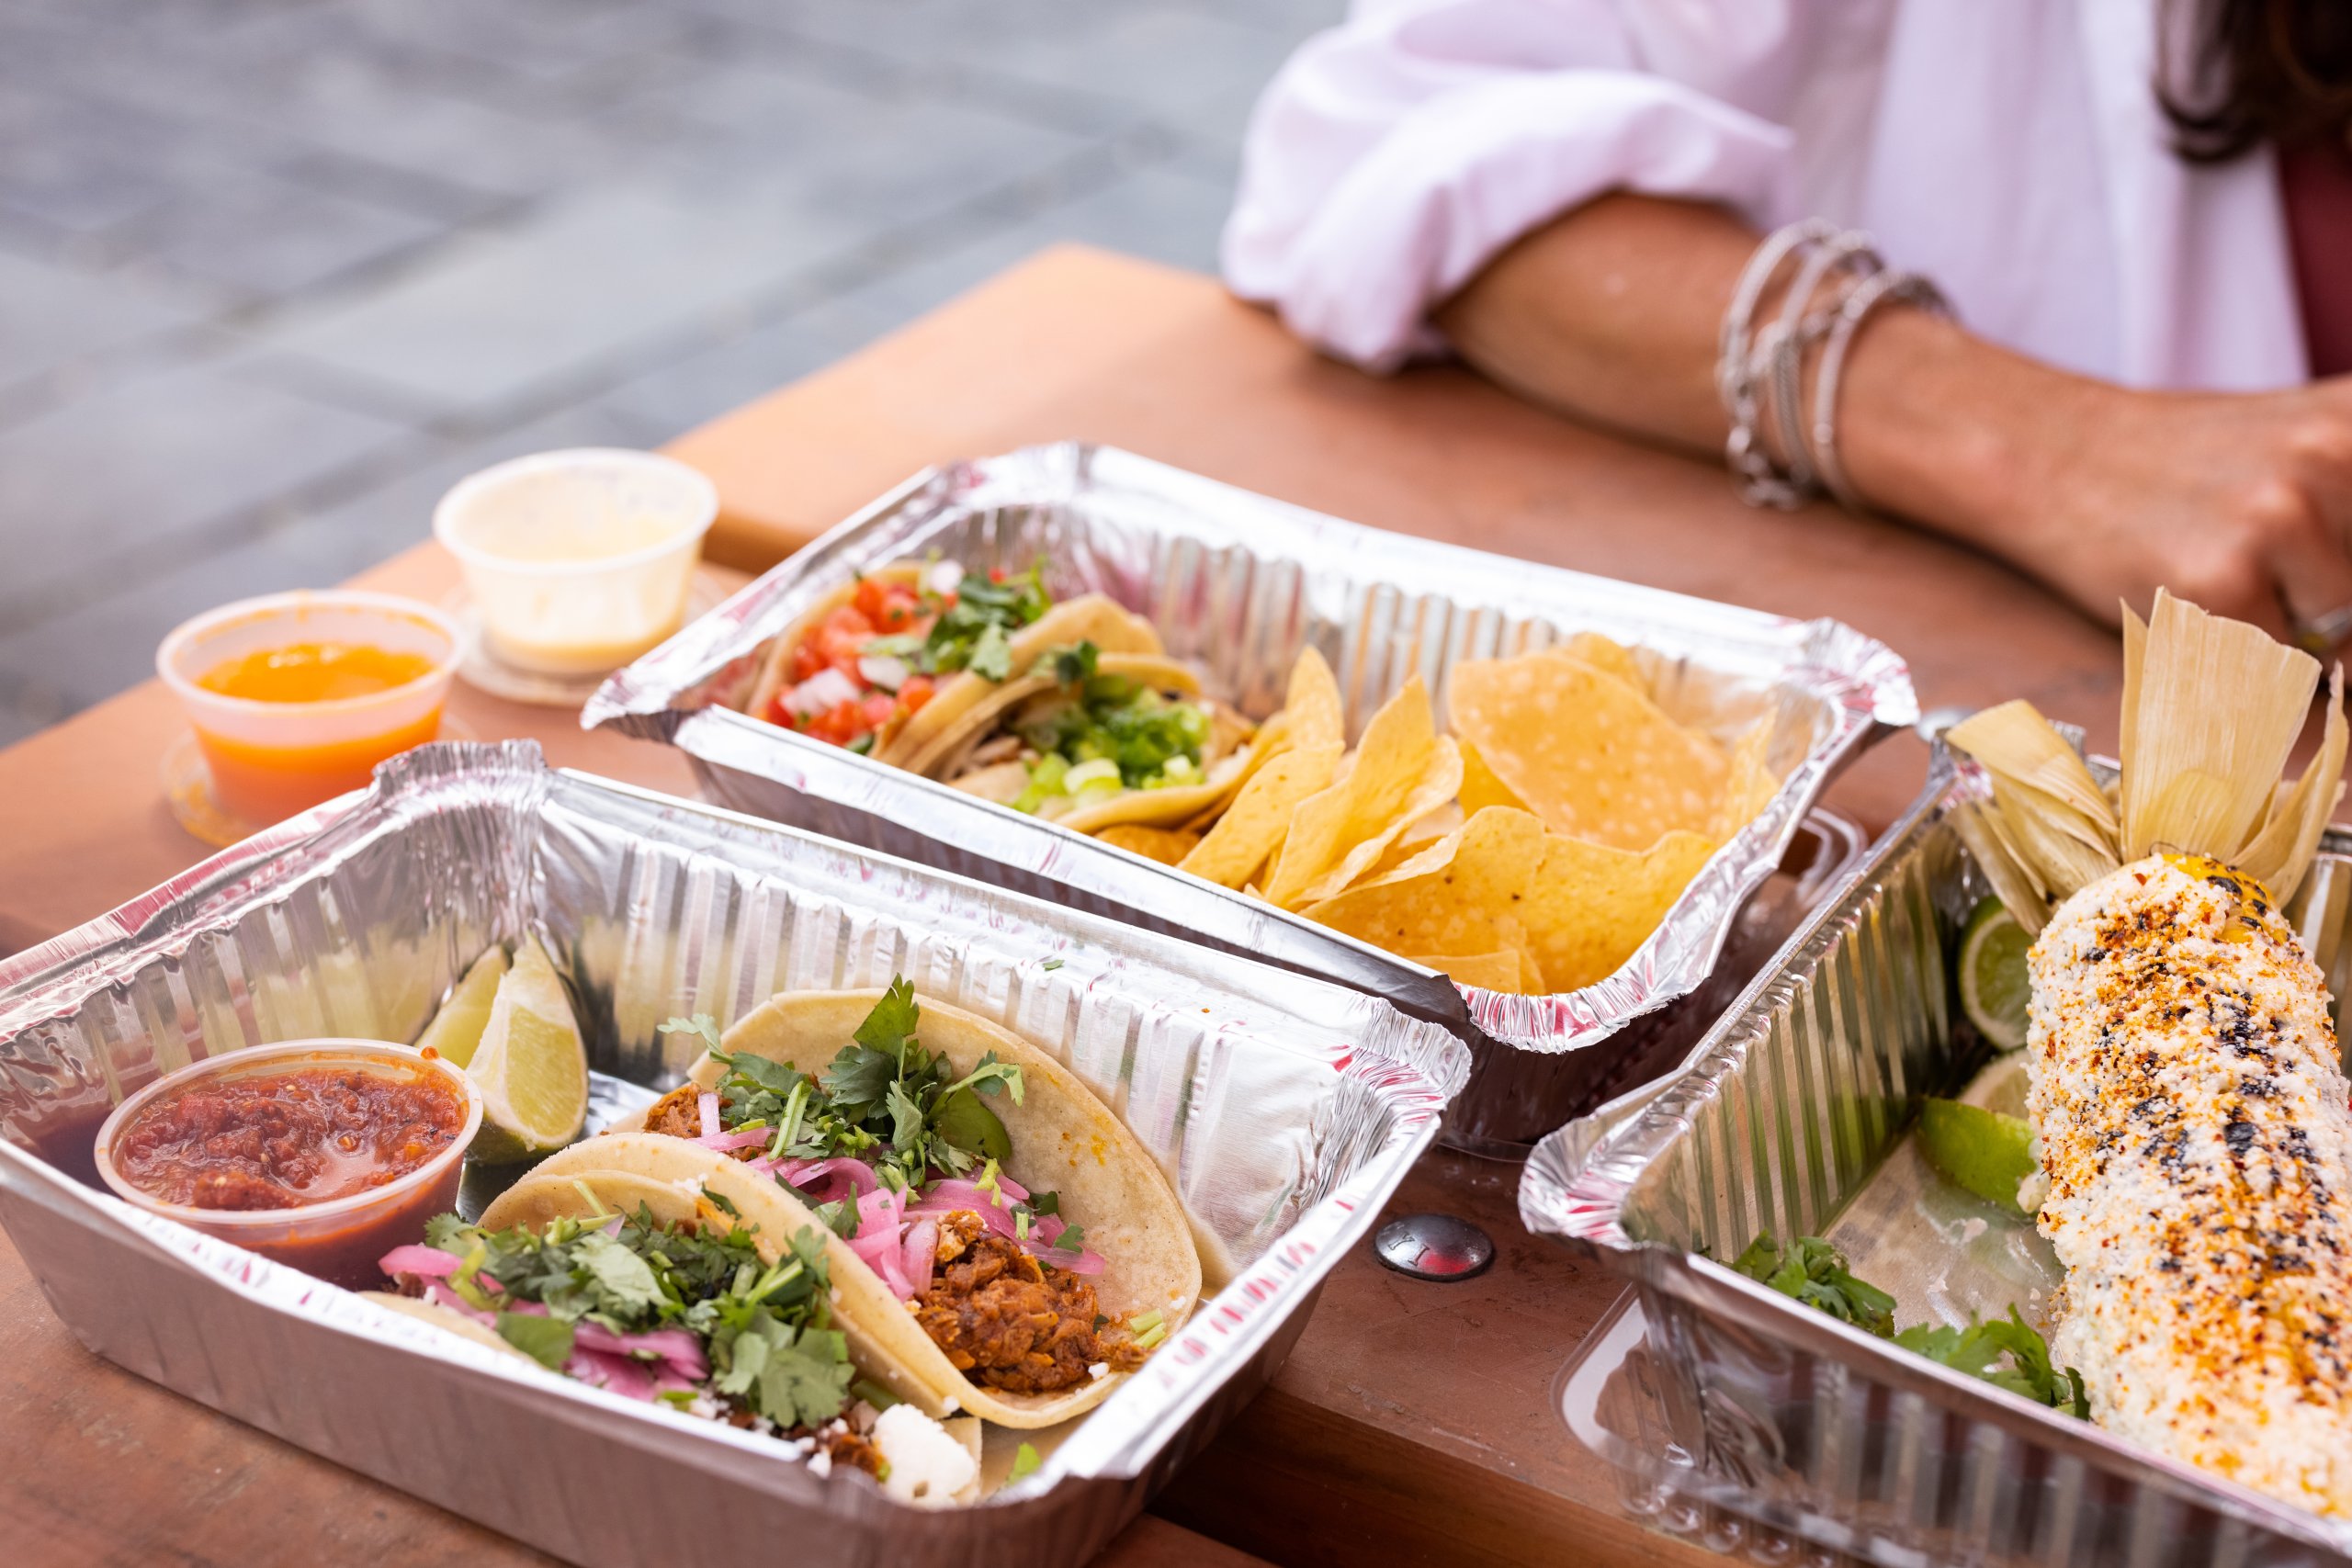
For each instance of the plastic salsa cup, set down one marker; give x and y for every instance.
(271, 759)
(338, 1240)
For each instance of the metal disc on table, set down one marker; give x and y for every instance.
(1433, 1247)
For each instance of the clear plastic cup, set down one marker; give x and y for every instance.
(271, 759)
(579, 560)
(339, 1240)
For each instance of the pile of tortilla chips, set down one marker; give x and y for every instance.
(1532, 849)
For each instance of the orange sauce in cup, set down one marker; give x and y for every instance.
(266, 784)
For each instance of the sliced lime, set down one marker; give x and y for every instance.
(1980, 1151)
(1994, 990)
(532, 1068)
(456, 1031)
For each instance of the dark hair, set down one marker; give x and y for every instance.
(2235, 74)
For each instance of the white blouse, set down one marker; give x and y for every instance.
(2012, 150)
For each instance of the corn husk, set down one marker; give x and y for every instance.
(2212, 709)
(2216, 705)
(2014, 741)
(2011, 883)
(2281, 855)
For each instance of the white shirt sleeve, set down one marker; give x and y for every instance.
(1395, 155)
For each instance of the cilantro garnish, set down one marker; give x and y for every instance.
(1072, 664)
(768, 1326)
(1815, 1273)
(2008, 1352)
(884, 1100)
(975, 633)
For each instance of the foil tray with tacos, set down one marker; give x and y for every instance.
(798, 1198)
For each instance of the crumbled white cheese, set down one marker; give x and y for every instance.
(927, 1465)
(821, 1463)
(1098, 1369)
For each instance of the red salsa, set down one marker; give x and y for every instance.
(285, 1140)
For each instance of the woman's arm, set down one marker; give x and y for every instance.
(2242, 503)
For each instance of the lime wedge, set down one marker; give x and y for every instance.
(1994, 990)
(1985, 1152)
(456, 1031)
(531, 1068)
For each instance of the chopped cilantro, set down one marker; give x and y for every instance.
(975, 633)
(2008, 1353)
(1071, 665)
(702, 1025)
(1815, 1273)
(885, 1099)
(547, 1340)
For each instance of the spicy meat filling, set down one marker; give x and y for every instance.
(1008, 1322)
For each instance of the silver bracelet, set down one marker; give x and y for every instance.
(1910, 288)
(1755, 373)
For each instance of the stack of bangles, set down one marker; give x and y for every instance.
(1760, 373)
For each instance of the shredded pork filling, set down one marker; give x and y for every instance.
(1010, 1323)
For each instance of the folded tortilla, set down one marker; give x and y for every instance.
(1064, 1140)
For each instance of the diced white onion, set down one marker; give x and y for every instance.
(826, 690)
(944, 577)
(883, 670)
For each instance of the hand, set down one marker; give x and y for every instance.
(2241, 503)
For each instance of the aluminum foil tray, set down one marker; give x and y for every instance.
(1721, 1400)
(1286, 1110)
(1237, 584)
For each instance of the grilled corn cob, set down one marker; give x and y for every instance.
(2191, 1117)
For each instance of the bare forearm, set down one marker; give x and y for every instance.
(1612, 313)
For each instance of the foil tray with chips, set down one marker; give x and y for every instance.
(1285, 1110)
(1238, 585)
(1732, 1409)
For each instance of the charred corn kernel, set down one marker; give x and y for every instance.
(2190, 1106)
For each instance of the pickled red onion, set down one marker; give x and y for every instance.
(727, 1142)
(424, 1262)
(922, 1250)
(711, 1126)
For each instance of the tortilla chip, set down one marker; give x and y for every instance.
(1270, 741)
(1497, 971)
(1588, 752)
(1169, 846)
(1312, 702)
(1255, 825)
(1480, 788)
(1463, 894)
(1368, 805)
(1436, 787)
(1613, 658)
(1589, 906)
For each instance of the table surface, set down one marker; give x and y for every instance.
(1413, 1419)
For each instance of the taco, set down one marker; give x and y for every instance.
(996, 1231)
(1094, 740)
(886, 660)
(652, 1290)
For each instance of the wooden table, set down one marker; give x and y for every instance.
(1414, 1420)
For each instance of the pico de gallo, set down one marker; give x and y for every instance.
(873, 662)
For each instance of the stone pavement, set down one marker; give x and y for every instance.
(275, 273)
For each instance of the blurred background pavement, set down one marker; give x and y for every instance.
(274, 274)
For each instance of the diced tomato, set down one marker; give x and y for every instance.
(835, 641)
(915, 692)
(890, 606)
(838, 725)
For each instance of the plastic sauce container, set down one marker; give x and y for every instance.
(237, 1101)
(579, 560)
(282, 751)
